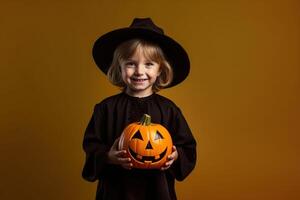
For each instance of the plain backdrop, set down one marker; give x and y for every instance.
(241, 98)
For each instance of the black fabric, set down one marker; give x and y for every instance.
(108, 120)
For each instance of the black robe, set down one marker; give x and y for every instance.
(109, 118)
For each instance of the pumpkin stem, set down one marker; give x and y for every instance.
(146, 120)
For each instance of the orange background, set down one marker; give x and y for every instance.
(241, 99)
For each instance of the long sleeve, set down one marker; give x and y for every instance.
(185, 144)
(94, 146)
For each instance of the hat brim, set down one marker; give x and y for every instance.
(175, 54)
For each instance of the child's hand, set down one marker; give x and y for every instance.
(117, 157)
(171, 158)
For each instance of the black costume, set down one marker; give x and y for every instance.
(109, 118)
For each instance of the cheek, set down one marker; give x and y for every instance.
(126, 73)
(155, 72)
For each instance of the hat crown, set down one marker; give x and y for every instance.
(146, 23)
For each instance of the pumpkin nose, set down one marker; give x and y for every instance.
(149, 146)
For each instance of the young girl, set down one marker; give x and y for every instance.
(141, 60)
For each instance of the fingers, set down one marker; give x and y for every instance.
(164, 168)
(123, 160)
(167, 165)
(121, 156)
(127, 166)
(121, 153)
(174, 154)
(171, 156)
(174, 148)
(170, 159)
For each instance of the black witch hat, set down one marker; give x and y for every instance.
(143, 28)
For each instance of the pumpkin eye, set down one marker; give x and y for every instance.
(138, 135)
(158, 136)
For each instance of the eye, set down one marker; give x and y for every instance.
(138, 135)
(158, 136)
(129, 64)
(149, 64)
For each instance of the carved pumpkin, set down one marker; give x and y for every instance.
(146, 143)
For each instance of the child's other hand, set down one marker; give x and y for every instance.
(171, 158)
(118, 157)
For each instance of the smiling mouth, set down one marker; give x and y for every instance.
(139, 79)
(147, 158)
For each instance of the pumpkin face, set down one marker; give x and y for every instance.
(147, 144)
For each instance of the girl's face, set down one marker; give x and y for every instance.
(139, 74)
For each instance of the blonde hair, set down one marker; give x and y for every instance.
(151, 51)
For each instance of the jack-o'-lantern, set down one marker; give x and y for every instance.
(146, 143)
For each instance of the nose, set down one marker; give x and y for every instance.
(139, 70)
(149, 146)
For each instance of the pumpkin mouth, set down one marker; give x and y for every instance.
(147, 158)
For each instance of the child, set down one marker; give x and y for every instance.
(141, 60)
